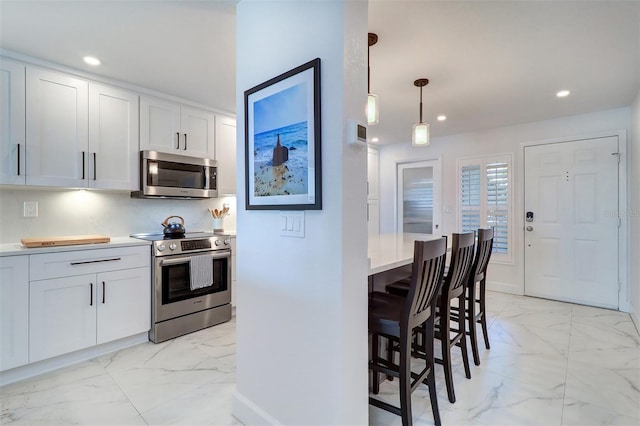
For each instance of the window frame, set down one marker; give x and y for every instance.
(485, 207)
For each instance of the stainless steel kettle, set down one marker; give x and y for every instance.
(173, 229)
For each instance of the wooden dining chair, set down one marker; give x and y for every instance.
(476, 306)
(395, 318)
(454, 289)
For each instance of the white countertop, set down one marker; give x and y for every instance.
(14, 249)
(389, 251)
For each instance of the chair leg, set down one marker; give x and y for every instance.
(463, 340)
(471, 308)
(405, 378)
(483, 310)
(375, 386)
(445, 325)
(431, 378)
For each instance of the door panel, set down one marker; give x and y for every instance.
(419, 197)
(571, 246)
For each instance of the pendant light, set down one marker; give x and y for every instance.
(420, 136)
(372, 100)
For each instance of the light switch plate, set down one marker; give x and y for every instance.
(292, 224)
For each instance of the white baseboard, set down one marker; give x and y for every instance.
(249, 413)
(633, 311)
(505, 287)
(46, 365)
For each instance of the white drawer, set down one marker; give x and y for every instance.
(70, 263)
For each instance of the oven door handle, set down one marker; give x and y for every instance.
(169, 262)
(222, 254)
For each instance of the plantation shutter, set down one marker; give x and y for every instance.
(485, 200)
(498, 205)
(470, 196)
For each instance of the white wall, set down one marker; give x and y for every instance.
(115, 214)
(503, 277)
(302, 302)
(634, 213)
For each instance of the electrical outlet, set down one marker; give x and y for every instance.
(30, 209)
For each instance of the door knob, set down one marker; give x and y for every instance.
(529, 228)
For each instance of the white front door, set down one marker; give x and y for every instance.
(419, 197)
(571, 221)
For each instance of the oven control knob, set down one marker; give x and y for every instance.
(161, 247)
(217, 243)
(172, 246)
(227, 242)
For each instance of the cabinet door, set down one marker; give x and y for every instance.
(57, 129)
(159, 125)
(373, 217)
(124, 303)
(62, 316)
(197, 132)
(14, 311)
(372, 174)
(226, 154)
(113, 138)
(12, 123)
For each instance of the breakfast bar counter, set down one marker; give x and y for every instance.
(391, 256)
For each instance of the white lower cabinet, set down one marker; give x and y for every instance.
(76, 312)
(14, 311)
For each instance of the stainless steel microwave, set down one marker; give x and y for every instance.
(176, 176)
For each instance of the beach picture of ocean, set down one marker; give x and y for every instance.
(283, 169)
(281, 144)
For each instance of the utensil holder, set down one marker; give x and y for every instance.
(218, 225)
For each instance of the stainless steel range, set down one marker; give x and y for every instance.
(191, 278)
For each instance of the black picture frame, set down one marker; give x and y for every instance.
(283, 168)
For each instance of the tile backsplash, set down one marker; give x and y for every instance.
(115, 214)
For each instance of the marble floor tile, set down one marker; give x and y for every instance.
(580, 413)
(550, 363)
(82, 394)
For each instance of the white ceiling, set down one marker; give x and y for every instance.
(490, 64)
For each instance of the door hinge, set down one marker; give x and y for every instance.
(619, 222)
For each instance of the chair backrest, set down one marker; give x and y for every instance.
(483, 254)
(462, 247)
(426, 280)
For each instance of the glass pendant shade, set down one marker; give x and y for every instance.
(420, 135)
(372, 109)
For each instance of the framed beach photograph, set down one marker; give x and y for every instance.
(282, 141)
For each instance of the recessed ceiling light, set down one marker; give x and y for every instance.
(442, 117)
(563, 93)
(374, 139)
(92, 60)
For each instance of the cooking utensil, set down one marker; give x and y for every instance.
(173, 228)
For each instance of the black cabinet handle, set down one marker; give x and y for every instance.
(18, 159)
(177, 140)
(82, 165)
(95, 261)
(94, 166)
(185, 141)
(91, 296)
(103, 291)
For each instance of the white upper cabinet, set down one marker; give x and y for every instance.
(57, 129)
(12, 123)
(114, 161)
(226, 154)
(80, 134)
(197, 132)
(167, 126)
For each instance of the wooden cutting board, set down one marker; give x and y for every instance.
(64, 241)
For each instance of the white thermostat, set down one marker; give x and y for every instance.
(356, 133)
